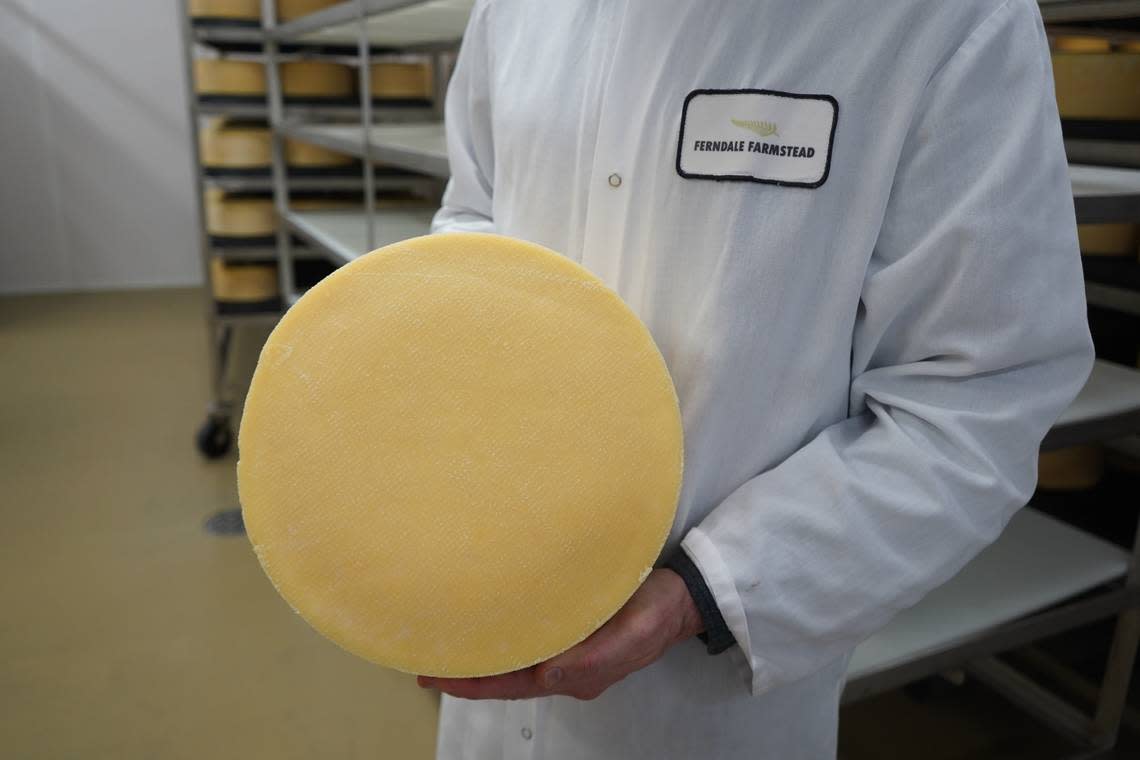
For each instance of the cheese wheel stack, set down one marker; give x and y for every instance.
(239, 216)
(287, 10)
(229, 10)
(316, 79)
(401, 80)
(460, 455)
(220, 77)
(242, 282)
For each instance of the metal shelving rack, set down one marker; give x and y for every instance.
(1042, 576)
(348, 32)
(432, 27)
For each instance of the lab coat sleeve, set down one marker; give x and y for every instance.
(470, 148)
(971, 338)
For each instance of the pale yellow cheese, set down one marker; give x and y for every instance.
(287, 10)
(460, 455)
(316, 79)
(1098, 85)
(229, 216)
(226, 77)
(307, 155)
(225, 145)
(247, 10)
(1108, 239)
(242, 283)
(400, 79)
(1073, 469)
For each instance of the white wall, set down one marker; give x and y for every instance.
(96, 187)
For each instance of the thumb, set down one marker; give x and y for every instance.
(573, 665)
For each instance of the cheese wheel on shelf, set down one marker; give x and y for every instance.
(243, 10)
(316, 79)
(232, 78)
(1070, 44)
(306, 155)
(1073, 469)
(1108, 239)
(287, 10)
(460, 455)
(1098, 86)
(240, 216)
(401, 80)
(241, 282)
(226, 145)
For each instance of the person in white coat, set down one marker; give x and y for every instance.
(850, 229)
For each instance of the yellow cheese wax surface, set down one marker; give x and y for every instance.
(460, 455)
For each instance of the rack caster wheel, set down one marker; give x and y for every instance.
(214, 439)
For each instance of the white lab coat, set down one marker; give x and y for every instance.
(865, 368)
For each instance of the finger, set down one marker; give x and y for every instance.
(521, 684)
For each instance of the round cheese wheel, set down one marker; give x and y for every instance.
(460, 455)
(235, 146)
(1081, 45)
(246, 10)
(1097, 85)
(224, 77)
(306, 155)
(287, 10)
(242, 283)
(316, 79)
(227, 216)
(1073, 469)
(399, 79)
(1108, 239)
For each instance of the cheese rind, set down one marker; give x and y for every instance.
(1097, 85)
(224, 77)
(1077, 44)
(228, 216)
(287, 10)
(307, 155)
(246, 10)
(400, 79)
(1108, 239)
(460, 455)
(242, 283)
(1072, 469)
(235, 146)
(316, 79)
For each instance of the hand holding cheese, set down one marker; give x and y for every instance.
(460, 455)
(660, 614)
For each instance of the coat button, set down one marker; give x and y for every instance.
(615, 180)
(526, 734)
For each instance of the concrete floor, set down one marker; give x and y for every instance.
(130, 632)
(127, 631)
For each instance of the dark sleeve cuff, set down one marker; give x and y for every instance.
(716, 637)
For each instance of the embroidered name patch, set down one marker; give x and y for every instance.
(777, 138)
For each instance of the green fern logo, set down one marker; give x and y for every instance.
(762, 128)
